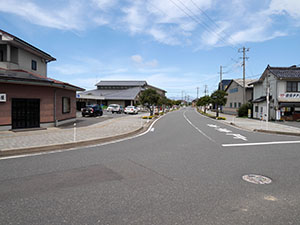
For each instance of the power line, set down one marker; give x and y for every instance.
(197, 20)
(216, 25)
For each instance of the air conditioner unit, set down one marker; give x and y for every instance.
(2, 97)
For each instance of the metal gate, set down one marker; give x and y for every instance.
(25, 113)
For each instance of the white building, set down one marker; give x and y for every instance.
(284, 94)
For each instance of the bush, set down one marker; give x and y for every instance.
(243, 110)
(221, 118)
(147, 117)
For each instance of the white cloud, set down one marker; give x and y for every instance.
(137, 58)
(65, 18)
(291, 7)
(167, 21)
(139, 61)
(105, 4)
(136, 17)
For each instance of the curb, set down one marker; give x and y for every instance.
(86, 143)
(277, 132)
(259, 130)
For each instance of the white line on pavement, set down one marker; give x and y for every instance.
(261, 143)
(200, 131)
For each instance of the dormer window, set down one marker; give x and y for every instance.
(33, 65)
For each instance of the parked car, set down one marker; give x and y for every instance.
(92, 110)
(115, 108)
(131, 110)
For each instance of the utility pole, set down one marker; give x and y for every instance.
(205, 90)
(267, 98)
(181, 96)
(197, 92)
(244, 50)
(220, 85)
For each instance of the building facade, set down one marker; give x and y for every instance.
(283, 85)
(115, 92)
(234, 96)
(28, 97)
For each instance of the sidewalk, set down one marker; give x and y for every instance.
(55, 138)
(258, 125)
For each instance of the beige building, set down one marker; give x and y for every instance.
(115, 92)
(235, 95)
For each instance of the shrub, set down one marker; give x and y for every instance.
(221, 118)
(147, 117)
(243, 110)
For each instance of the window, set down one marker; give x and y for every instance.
(66, 105)
(292, 86)
(230, 104)
(235, 105)
(240, 104)
(33, 65)
(256, 108)
(233, 90)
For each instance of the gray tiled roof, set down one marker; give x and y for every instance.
(24, 76)
(285, 72)
(6, 74)
(115, 94)
(122, 83)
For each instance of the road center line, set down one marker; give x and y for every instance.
(261, 143)
(200, 131)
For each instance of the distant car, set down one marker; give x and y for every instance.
(115, 108)
(92, 110)
(131, 110)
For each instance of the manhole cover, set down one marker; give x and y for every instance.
(257, 179)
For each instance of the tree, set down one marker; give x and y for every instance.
(149, 98)
(243, 110)
(204, 101)
(218, 98)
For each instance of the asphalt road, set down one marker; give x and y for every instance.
(187, 170)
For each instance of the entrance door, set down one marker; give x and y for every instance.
(25, 113)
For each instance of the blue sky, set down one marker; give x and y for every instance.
(176, 45)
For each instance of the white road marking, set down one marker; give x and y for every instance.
(238, 136)
(212, 125)
(228, 132)
(200, 131)
(261, 143)
(152, 129)
(224, 130)
(76, 148)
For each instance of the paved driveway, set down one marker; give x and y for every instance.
(90, 120)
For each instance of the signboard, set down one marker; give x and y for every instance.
(290, 95)
(2, 97)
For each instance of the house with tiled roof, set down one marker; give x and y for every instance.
(283, 84)
(234, 96)
(116, 92)
(28, 97)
